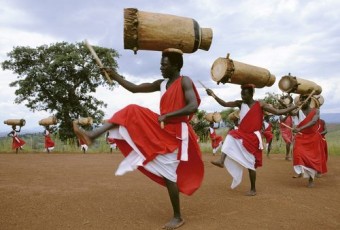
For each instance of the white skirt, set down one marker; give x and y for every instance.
(237, 158)
(164, 165)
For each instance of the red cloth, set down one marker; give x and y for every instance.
(17, 142)
(48, 142)
(286, 132)
(308, 147)
(215, 139)
(324, 141)
(267, 133)
(110, 140)
(251, 122)
(146, 133)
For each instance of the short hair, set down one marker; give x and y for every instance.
(175, 56)
(250, 87)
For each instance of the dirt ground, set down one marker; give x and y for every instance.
(80, 191)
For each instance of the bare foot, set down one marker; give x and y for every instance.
(287, 159)
(251, 193)
(310, 182)
(174, 223)
(81, 134)
(298, 175)
(217, 163)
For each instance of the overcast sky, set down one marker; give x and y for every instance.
(284, 36)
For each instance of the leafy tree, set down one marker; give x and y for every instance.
(60, 79)
(200, 125)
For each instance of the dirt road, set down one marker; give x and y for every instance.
(80, 191)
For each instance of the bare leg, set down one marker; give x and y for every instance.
(269, 148)
(252, 177)
(220, 162)
(177, 220)
(287, 151)
(89, 136)
(16, 150)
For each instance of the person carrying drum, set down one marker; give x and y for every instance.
(164, 147)
(17, 142)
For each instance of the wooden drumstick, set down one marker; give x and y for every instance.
(288, 127)
(162, 124)
(98, 61)
(309, 96)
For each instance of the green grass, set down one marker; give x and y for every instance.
(35, 143)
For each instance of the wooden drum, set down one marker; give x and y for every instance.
(154, 31)
(291, 84)
(48, 121)
(85, 121)
(234, 116)
(226, 70)
(213, 117)
(20, 122)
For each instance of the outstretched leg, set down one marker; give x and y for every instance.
(177, 220)
(252, 177)
(89, 136)
(220, 162)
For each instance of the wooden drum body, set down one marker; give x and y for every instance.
(291, 84)
(154, 31)
(213, 117)
(20, 122)
(48, 121)
(226, 70)
(85, 121)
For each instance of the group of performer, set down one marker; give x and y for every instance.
(164, 146)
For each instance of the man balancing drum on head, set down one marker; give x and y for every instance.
(169, 155)
(243, 146)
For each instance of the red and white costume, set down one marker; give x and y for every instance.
(286, 132)
(83, 146)
(243, 146)
(216, 140)
(49, 144)
(267, 132)
(17, 142)
(172, 152)
(308, 151)
(111, 142)
(321, 129)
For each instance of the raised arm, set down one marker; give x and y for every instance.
(309, 124)
(134, 88)
(266, 107)
(222, 102)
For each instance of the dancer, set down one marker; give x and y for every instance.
(49, 143)
(17, 142)
(308, 151)
(243, 146)
(267, 132)
(216, 140)
(164, 147)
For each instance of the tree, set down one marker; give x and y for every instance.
(59, 79)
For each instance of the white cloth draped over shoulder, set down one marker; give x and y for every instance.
(237, 155)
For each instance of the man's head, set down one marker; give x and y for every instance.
(303, 98)
(247, 92)
(171, 62)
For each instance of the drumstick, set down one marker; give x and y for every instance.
(309, 96)
(288, 127)
(162, 124)
(202, 84)
(96, 58)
